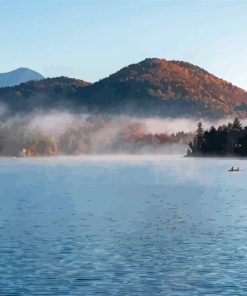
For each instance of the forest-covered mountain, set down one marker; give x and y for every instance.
(50, 93)
(18, 76)
(153, 87)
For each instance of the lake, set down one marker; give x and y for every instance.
(123, 226)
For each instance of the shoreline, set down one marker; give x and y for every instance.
(120, 157)
(216, 156)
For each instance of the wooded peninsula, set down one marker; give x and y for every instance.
(226, 140)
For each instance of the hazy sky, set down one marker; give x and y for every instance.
(92, 39)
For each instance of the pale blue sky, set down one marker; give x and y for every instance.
(92, 39)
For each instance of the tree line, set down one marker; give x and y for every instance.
(226, 140)
(95, 135)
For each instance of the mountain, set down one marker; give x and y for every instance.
(168, 88)
(46, 94)
(153, 87)
(18, 76)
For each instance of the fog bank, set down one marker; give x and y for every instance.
(64, 133)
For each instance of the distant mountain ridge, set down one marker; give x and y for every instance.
(18, 76)
(153, 87)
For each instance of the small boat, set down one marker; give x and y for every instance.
(232, 169)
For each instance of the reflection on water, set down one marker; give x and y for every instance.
(157, 227)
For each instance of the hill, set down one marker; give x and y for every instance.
(46, 94)
(153, 87)
(18, 76)
(168, 88)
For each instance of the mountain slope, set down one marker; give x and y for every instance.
(18, 76)
(171, 88)
(153, 87)
(50, 93)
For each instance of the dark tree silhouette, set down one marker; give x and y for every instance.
(226, 140)
(237, 126)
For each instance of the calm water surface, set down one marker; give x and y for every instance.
(161, 226)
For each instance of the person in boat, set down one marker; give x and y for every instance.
(234, 170)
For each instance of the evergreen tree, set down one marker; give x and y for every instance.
(199, 131)
(199, 136)
(228, 139)
(237, 126)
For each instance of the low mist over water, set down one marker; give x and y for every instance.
(107, 225)
(64, 133)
